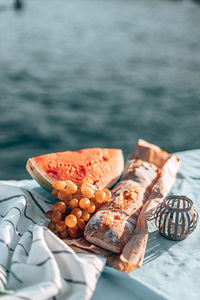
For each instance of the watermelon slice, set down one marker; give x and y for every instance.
(105, 165)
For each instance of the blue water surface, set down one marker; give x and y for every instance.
(97, 73)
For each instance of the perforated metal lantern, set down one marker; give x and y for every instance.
(176, 217)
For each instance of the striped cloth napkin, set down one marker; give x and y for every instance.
(34, 263)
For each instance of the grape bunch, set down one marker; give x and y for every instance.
(78, 202)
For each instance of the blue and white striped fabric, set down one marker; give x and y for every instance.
(34, 263)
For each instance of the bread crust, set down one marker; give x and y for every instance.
(112, 225)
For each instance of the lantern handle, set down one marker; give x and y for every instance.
(150, 214)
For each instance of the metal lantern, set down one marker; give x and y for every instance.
(176, 217)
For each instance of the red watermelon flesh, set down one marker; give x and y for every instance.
(105, 165)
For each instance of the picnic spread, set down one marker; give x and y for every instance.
(39, 263)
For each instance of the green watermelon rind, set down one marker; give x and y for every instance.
(44, 181)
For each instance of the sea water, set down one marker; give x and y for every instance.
(97, 73)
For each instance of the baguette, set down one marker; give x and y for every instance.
(114, 223)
